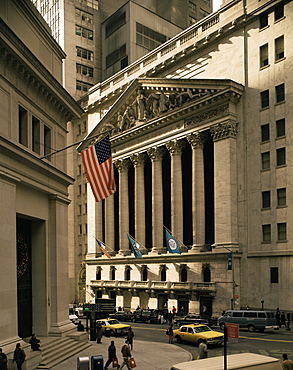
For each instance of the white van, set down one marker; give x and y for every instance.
(243, 361)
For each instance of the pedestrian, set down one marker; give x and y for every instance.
(19, 356)
(288, 321)
(3, 360)
(287, 364)
(283, 319)
(129, 337)
(111, 355)
(174, 311)
(203, 349)
(278, 317)
(171, 333)
(80, 327)
(35, 343)
(99, 332)
(125, 350)
(170, 317)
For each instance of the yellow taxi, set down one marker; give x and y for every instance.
(192, 333)
(113, 327)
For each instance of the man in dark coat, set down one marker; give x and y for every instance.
(19, 356)
(111, 355)
(35, 343)
(99, 332)
(3, 360)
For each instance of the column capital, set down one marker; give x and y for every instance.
(122, 164)
(156, 153)
(138, 159)
(197, 139)
(175, 146)
(224, 130)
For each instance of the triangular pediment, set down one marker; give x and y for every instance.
(151, 101)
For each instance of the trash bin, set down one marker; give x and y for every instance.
(83, 363)
(97, 362)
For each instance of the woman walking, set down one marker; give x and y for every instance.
(171, 333)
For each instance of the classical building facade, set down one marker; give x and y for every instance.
(34, 199)
(200, 138)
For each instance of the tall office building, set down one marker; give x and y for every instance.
(200, 133)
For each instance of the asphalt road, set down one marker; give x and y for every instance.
(270, 343)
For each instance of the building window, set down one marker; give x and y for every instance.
(274, 275)
(124, 62)
(203, 13)
(280, 127)
(192, 6)
(264, 55)
(281, 197)
(47, 140)
(115, 24)
(266, 199)
(263, 20)
(191, 20)
(84, 32)
(281, 156)
(84, 16)
(206, 275)
(265, 132)
(183, 275)
(115, 56)
(282, 234)
(279, 12)
(163, 274)
(280, 93)
(36, 135)
(84, 70)
(79, 189)
(265, 160)
(85, 208)
(79, 209)
(265, 98)
(145, 274)
(266, 233)
(112, 273)
(279, 48)
(83, 86)
(148, 38)
(84, 53)
(22, 126)
(80, 229)
(127, 273)
(98, 274)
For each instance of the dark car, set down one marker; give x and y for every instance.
(122, 315)
(190, 319)
(146, 315)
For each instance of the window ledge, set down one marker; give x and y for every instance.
(281, 166)
(285, 206)
(282, 241)
(265, 169)
(264, 108)
(265, 142)
(264, 28)
(266, 242)
(280, 60)
(280, 102)
(280, 19)
(280, 137)
(266, 208)
(264, 67)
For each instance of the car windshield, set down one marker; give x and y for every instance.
(113, 322)
(202, 329)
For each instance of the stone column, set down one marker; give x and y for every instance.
(94, 223)
(109, 223)
(138, 161)
(197, 140)
(123, 165)
(156, 155)
(175, 148)
(225, 165)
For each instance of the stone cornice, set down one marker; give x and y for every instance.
(224, 130)
(197, 139)
(156, 153)
(175, 147)
(122, 165)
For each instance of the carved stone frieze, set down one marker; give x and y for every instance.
(138, 159)
(175, 146)
(209, 114)
(156, 153)
(224, 130)
(122, 164)
(197, 139)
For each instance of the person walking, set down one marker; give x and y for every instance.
(174, 311)
(35, 343)
(283, 319)
(129, 337)
(287, 364)
(203, 349)
(125, 350)
(111, 355)
(99, 332)
(278, 317)
(3, 360)
(171, 333)
(80, 326)
(19, 356)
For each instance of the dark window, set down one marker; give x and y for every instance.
(84, 32)
(250, 314)
(263, 20)
(280, 126)
(84, 70)
(274, 275)
(264, 55)
(280, 93)
(36, 135)
(163, 275)
(237, 314)
(266, 199)
(279, 48)
(279, 12)
(98, 274)
(127, 274)
(282, 233)
(281, 197)
(47, 140)
(281, 156)
(148, 38)
(266, 233)
(265, 132)
(84, 53)
(207, 275)
(265, 98)
(115, 56)
(83, 86)
(265, 161)
(183, 275)
(113, 273)
(261, 314)
(22, 126)
(144, 274)
(124, 62)
(115, 24)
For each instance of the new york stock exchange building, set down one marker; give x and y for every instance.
(200, 146)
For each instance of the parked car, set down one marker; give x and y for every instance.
(122, 315)
(146, 315)
(113, 327)
(190, 319)
(192, 333)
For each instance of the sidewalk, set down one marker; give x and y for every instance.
(148, 356)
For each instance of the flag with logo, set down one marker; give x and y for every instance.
(134, 247)
(173, 245)
(97, 162)
(103, 248)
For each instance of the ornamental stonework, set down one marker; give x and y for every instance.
(156, 153)
(197, 139)
(122, 164)
(224, 130)
(210, 114)
(175, 146)
(138, 159)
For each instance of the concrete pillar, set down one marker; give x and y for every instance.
(175, 148)
(197, 140)
(94, 223)
(225, 164)
(156, 155)
(109, 223)
(123, 165)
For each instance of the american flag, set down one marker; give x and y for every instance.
(97, 162)
(103, 248)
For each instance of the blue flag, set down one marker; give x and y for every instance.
(172, 244)
(134, 247)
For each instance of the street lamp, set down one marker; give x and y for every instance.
(262, 302)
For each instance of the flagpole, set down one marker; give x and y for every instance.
(111, 250)
(182, 244)
(136, 240)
